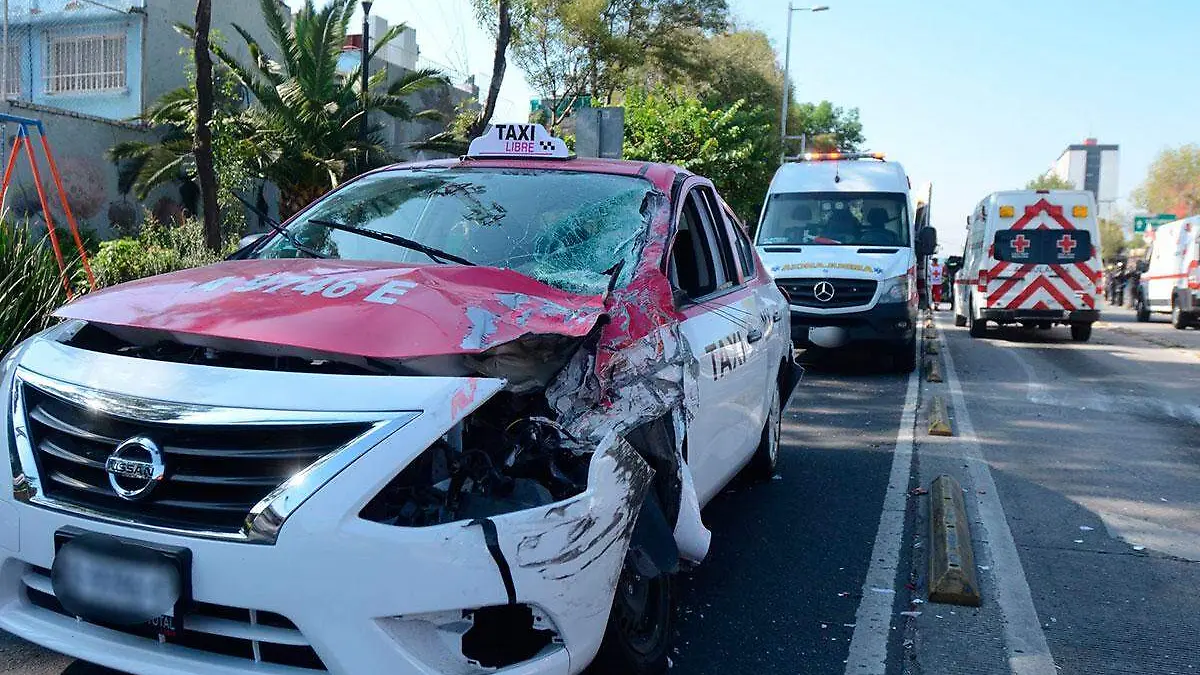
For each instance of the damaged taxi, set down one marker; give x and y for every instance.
(457, 416)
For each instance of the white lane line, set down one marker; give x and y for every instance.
(873, 620)
(1028, 653)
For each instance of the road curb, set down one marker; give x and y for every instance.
(939, 419)
(933, 371)
(952, 576)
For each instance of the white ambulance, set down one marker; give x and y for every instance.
(1171, 282)
(1031, 257)
(839, 233)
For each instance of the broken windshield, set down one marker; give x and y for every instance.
(564, 228)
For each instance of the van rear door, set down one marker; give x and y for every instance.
(1044, 253)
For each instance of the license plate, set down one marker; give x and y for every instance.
(121, 582)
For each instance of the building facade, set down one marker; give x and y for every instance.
(1093, 167)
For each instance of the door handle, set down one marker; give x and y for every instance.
(754, 335)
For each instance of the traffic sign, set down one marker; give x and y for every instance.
(1143, 223)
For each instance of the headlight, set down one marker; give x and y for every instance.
(895, 289)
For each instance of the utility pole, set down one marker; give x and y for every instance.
(202, 143)
(787, 52)
(366, 75)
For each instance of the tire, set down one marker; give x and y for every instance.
(904, 357)
(976, 327)
(766, 456)
(1081, 332)
(640, 624)
(1143, 312)
(960, 320)
(1178, 319)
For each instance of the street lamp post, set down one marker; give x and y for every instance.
(366, 41)
(787, 52)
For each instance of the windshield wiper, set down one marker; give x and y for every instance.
(274, 225)
(435, 254)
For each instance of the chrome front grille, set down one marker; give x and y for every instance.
(258, 636)
(846, 292)
(221, 469)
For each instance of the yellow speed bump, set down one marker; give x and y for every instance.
(939, 419)
(952, 577)
(933, 371)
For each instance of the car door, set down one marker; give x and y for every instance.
(720, 316)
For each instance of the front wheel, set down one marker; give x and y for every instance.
(1143, 312)
(1081, 332)
(976, 327)
(638, 636)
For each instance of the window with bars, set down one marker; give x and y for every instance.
(12, 82)
(85, 63)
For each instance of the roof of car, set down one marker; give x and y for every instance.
(661, 175)
(840, 176)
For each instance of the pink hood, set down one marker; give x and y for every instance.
(370, 309)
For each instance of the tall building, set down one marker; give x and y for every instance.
(1092, 167)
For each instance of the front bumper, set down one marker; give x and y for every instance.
(893, 322)
(1051, 315)
(365, 597)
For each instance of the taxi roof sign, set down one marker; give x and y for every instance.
(530, 141)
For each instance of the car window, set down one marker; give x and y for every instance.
(725, 257)
(692, 268)
(742, 246)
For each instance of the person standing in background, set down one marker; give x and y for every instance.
(936, 277)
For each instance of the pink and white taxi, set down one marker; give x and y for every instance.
(455, 417)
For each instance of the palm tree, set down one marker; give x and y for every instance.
(301, 129)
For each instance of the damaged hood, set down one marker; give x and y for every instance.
(369, 309)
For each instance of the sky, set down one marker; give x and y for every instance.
(973, 96)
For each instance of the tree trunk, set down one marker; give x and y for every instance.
(202, 144)
(499, 63)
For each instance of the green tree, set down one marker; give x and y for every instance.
(728, 145)
(825, 126)
(1049, 181)
(1112, 239)
(1172, 183)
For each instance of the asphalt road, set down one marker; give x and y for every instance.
(1081, 468)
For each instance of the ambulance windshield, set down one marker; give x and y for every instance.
(835, 218)
(565, 228)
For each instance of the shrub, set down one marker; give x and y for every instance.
(158, 249)
(30, 285)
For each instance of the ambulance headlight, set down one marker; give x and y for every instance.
(895, 289)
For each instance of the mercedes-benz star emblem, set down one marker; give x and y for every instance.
(823, 291)
(135, 468)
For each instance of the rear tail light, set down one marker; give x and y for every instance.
(983, 281)
(1194, 275)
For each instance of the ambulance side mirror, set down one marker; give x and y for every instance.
(1143, 266)
(926, 241)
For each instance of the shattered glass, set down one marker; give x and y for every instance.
(568, 229)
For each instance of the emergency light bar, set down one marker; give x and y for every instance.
(829, 156)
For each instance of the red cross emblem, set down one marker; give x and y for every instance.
(1066, 244)
(1020, 243)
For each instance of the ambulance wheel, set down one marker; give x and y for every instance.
(1081, 332)
(904, 357)
(976, 327)
(638, 636)
(1178, 319)
(960, 320)
(1143, 312)
(762, 465)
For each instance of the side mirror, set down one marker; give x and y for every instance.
(926, 241)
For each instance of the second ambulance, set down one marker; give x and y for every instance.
(1031, 257)
(1171, 282)
(839, 234)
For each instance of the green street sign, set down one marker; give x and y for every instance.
(1143, 223)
